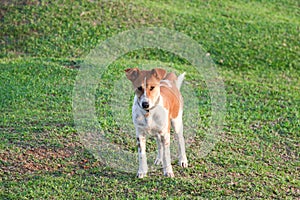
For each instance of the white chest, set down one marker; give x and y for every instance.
(154, 120)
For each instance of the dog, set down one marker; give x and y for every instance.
(158, 105)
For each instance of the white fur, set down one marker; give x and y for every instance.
(165, 83)
(180, 80)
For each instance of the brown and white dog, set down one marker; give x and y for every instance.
(157, 106)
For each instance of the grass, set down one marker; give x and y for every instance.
(255, 48)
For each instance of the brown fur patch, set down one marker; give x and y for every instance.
(171, 98)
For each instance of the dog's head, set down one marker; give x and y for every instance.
(146, 85)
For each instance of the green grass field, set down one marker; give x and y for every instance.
(255, 45)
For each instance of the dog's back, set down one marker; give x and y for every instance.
(171, 95)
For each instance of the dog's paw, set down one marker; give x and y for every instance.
(157, 161)
(141, 174)
(183, 163)
(169, 174)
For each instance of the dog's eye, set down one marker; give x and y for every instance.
(140, 88)
(151, 88)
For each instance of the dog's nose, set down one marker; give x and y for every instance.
(145, 105)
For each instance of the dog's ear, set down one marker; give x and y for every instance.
(159, 73)
(132, 73)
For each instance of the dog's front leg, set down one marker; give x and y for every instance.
(141, 142)
(167, 167)
(178, 127)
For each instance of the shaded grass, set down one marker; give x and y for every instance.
(66, 28)
(237, 34)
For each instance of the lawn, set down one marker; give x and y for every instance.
(255, 48)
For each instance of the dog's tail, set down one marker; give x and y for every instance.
(180, 80)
